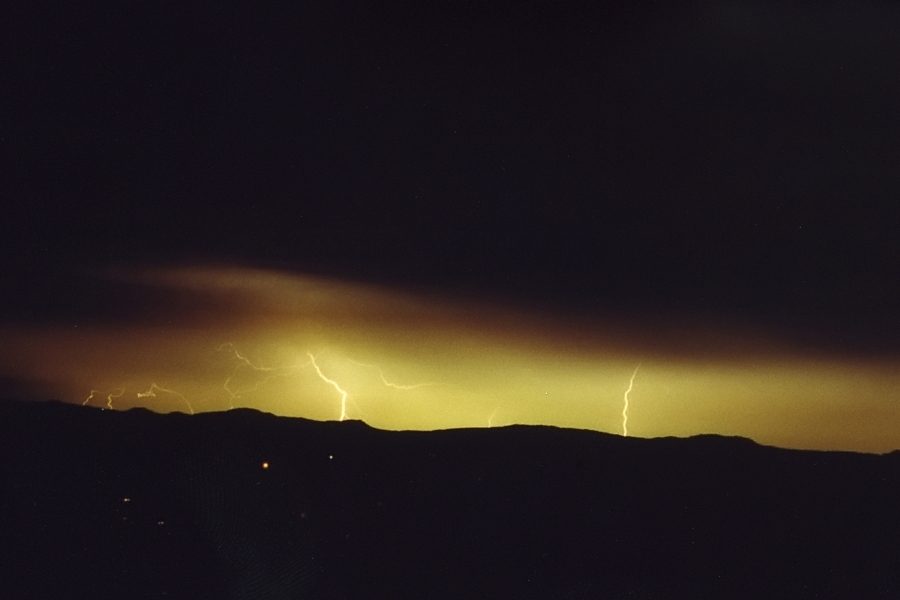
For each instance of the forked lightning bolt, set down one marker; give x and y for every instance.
(264, 374)
(243, 362)
(113, 395)
(391, 384)
(625, 408)
(260, 375)
(109, 397)
(332, 383)
(153, 389)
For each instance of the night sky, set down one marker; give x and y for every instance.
(695, 184)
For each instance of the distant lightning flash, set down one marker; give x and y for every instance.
(153, 389)
(266, 374)
(332, 383)
(625, 408)
(247, 376)
(90, 397)
(117, 393)
(391, 384)
(244, 362)
(113, 395)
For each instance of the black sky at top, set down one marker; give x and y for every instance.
(735, 158)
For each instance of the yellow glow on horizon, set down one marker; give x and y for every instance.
(325, 349)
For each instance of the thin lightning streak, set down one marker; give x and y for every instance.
(625, 408)
(244, 362)
(112, 395)
(391, 384)
(332, 383)
(491, 417)
(151, 393)
(90, 397)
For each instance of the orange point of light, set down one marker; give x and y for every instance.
(264, 465)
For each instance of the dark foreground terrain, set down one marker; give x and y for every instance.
(103, 504)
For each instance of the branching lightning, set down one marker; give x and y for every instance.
(152, 392)
(625, 408)
(247, 376)
(391, 384)
(117, 393)
(264, 374)
(332, 383)
(112, 396)
(243, 362)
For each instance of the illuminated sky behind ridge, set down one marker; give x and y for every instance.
(410, 360)
(454, 213)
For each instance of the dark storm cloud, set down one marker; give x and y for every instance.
(108, 297)
(719, 160)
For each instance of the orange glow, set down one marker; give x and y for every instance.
(325, 349)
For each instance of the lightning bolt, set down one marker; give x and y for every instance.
(113, 395)
(387, 382)
(625, 408)
(247, 376)
(332, 383)
(90, 397)
(151, 393)
(243, 362)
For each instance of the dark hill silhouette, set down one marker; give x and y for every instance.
(104, 504)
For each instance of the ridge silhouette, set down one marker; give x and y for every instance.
(136, 504)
